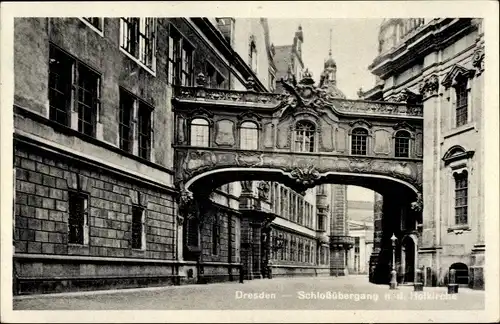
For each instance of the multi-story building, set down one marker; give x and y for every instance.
(360, 226)
(440, 63)
(95, 199)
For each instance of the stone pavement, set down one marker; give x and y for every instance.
(318, 293)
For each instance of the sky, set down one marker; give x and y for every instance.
(354, 46)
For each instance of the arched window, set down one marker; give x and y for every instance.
(252, 54)
(199, 132)
(461, 198)
(249, 136)
(359, 140)
(402, 144)
(304, 136)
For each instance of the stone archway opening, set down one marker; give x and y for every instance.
(397, 194)
(408, 259)
(461, 273)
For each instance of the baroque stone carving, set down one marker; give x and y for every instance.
(187, 206)
(418, 205)
(263, 189)
(305, 176)
(429, 86)
(478, 60)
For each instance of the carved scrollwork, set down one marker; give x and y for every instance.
(263, 189)
(418, 205)
(187, 206)
(429, 86)
(478, 60)
(305, 176)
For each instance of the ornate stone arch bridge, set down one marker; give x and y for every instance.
(301, 138)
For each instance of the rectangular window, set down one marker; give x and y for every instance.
(144, 130)
(186, 65)
(461, 199)
(60, 82)
(321, 223)
(88, 94)
(64, 73)
(125, 122)
(138, 38)
(137, 227)
(77, 218)
(95, 21)
(461, 109)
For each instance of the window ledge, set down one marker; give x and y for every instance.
(459, 130)
(459, 229)
(94, 28)
(136, 60)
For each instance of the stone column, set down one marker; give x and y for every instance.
(338, 228)
(431, 230)
(476, 275)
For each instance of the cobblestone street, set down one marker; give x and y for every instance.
(319, 293)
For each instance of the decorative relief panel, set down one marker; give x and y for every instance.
(341, 139)
(382, 143)
(419, 144)
(326, 135)
(199, 161)
(284, 139)
(268, 134)
(225, 133)
(181, 133)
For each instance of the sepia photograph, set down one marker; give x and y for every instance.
(242, 159)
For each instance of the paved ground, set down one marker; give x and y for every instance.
(328, 293)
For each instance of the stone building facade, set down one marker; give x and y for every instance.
(95, 201)
(440, 62)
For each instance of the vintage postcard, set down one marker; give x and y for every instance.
(250, 162)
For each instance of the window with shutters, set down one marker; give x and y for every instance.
(78, 218)
(138, 238)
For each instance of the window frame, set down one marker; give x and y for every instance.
(245, 135)
(304, 137)
(74, 87)
(354, 136)
(133, 40)
(206, 132)
(83, 239)
(397, 143)
(147, 135)
(142, 223)
(92, 26)
(459, 179)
